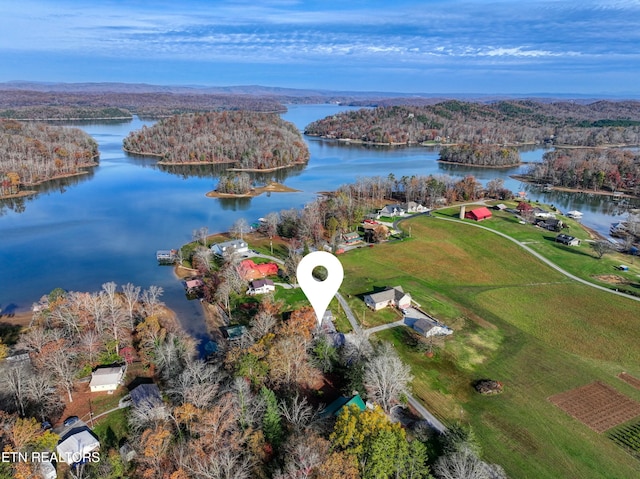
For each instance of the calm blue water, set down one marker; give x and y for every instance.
(107, 225)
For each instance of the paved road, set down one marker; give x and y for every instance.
(543, 259)
(430, 418)
(350, 316)
(382, 327)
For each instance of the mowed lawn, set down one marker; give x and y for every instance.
(518, 321)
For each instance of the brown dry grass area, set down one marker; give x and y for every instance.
(629, 379)
(22, 318)
(597, 405)
(612, 279)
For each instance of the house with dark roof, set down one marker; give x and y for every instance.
(478, 214)
(392, 210)
(261, 286)
(146, 396)
(389, 297)
(567, 240)
(233, 333)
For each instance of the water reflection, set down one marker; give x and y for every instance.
(56, 185)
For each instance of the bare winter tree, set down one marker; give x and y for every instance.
(386, 377)
(357, 347)
(198, 384)
(270, 224)
(202, 258)
(39, 390)
(248, 405)
(151, 299)
(61, 363)
(224, 464)
(200, 235)
(601, 247)
(14, 380)
(239, 228)
(262, 323)
(298, 413)
(462, 464)
(131, 295)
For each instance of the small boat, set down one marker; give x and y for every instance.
(576, 215)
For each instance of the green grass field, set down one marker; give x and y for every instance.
(517, 321)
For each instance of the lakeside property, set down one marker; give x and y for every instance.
(518, 321)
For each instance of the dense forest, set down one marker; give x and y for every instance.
(481, 155)
(57, 105)
(247, 139)
(589, 169)
(500, 123)
(65, 113)
(33, 153)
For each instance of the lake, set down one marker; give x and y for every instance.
(105, 226)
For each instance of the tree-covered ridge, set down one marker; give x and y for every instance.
(481, 155)
(65, 113)
(247, 139)
(32, 153)
(500, 123)
(590, 169)
(69, 104)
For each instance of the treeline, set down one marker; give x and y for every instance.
(500, 123)
(247, 139)
(481, 155)
(589, 169)
(65, 113)
(62, 105)
(326, 218)
(33, 153)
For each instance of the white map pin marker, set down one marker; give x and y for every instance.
(319, 293)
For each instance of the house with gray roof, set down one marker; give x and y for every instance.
(395, 297)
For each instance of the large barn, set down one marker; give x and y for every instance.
(478, 214)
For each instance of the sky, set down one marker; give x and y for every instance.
(587, 47)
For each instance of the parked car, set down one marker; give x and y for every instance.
(46, 425)
(70, 421)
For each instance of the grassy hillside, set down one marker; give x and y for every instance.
(518, 321)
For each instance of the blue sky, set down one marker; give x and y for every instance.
(429, 46)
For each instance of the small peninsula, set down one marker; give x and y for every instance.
(486, 156)
(32, 153)
(511, 123)
(243, 139)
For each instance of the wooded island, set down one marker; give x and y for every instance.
(33, 153)
(501, 123)
(490, 156)
(248, 140)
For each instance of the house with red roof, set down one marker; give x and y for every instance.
(478, 214)
(250, 270)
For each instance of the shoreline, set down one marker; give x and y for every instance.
(565, 189)
(481, 166)
(25, 193)
(272, 187)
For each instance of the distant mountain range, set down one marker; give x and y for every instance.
(293, 93)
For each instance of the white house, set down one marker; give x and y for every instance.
(261, 286)
(77, 447)
(392, 210)
(389, 297)
(228, 247)
(413, 207)
(425, 325)
(106, 379)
